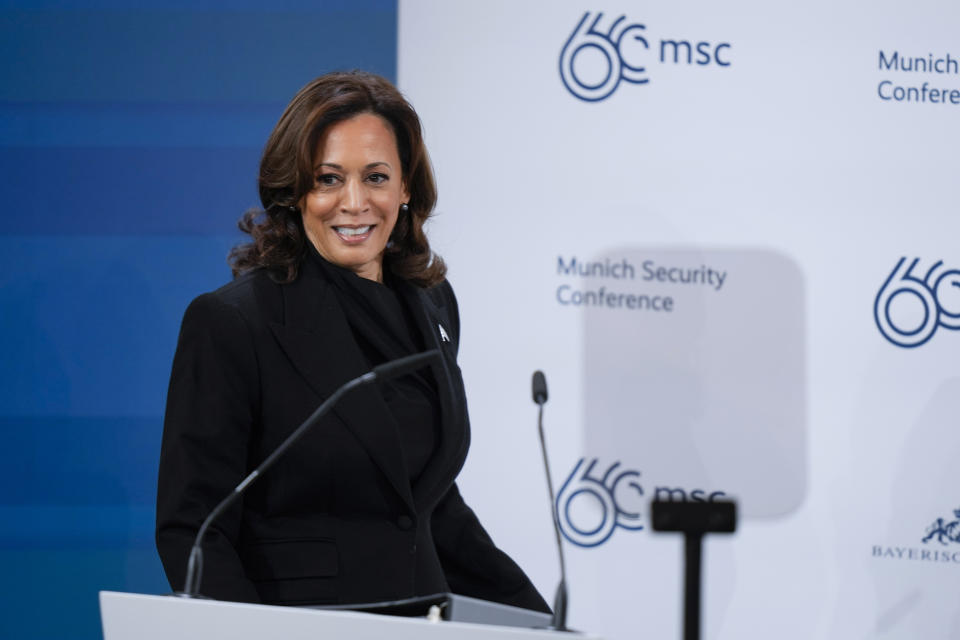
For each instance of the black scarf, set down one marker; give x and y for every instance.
(384, 328)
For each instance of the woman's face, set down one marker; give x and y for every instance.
(356, 197)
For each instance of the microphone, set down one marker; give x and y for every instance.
(560, 598)
(539, 388)
(385, 371)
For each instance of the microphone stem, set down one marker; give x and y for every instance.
(195, 562)
(385, 371)
(559, 612)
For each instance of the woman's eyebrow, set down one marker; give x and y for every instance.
(334, 165)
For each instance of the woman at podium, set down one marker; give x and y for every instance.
(338, 277)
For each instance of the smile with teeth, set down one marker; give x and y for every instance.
(354, 234)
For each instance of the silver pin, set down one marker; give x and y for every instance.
(443, 333)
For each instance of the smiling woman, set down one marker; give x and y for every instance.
(344, 136)
(339, 278)
(359, 192)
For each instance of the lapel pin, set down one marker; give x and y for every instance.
(443, 333)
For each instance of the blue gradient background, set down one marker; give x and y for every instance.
(129, 141)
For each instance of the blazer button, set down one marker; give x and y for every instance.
(405, 522)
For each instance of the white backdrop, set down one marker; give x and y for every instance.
(772, 158)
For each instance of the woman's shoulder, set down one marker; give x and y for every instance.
(442, 293)
(443, 297)
(250, 295)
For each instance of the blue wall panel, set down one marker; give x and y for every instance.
(127, 192)
(129, 142)
(176, 55)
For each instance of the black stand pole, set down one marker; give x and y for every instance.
(693, 520)
(693, 547)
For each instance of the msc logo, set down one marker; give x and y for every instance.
(585, 36)
(619, 496)
(945, 533)
(607, 57)
(909, 308)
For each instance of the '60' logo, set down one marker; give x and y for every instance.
(620, 41)
(617, 494)
(908, 308)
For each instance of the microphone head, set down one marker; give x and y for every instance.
(539, 387)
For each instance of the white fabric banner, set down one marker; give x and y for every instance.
(728, 234)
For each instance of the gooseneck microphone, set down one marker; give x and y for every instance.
(539, 391)
(560, 599)
(385, 371)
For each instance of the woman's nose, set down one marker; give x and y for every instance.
(354, 197)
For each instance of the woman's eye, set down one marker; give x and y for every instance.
(327, 179)
(378, 178)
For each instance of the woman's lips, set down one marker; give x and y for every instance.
(354, 235)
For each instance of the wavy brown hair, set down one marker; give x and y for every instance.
(279, 243)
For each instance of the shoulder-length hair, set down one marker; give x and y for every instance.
(279, 243)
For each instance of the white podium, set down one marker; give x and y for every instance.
(129, 616)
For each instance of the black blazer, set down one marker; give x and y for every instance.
(336, 520)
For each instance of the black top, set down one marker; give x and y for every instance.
(339, 521)
(381, 321)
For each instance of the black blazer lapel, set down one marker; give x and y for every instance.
(437, 327)
(316, 337)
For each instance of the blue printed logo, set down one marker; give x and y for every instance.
(617, 493)
(944, 532)
(591, 506)
(909, 308)
(595, 59)
(613, 48)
